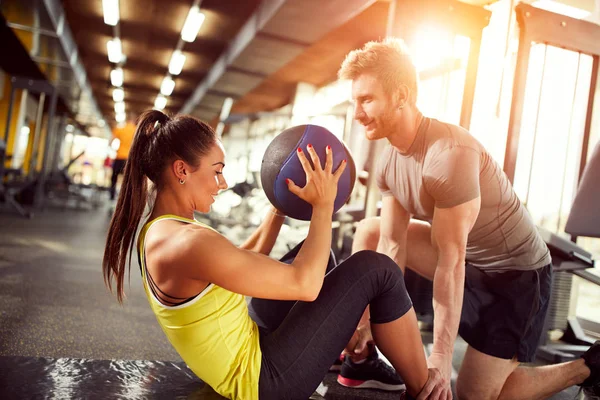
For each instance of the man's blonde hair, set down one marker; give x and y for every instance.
(388, 60)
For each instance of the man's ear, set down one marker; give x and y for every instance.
(403, 96)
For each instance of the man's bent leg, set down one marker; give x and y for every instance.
(482, 376)
(486, 377)
(421, 255)
(366, 236)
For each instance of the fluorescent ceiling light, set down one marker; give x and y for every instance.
(226, 108)
(176, 63)
(120, 108)
(70, 128)
(116, 77)
(101, 123)
(118, 94)
(115, 54)
(192, 25)
(120, 117)
(167, 86)
(25, 130)
(160, 102)
(111, 12)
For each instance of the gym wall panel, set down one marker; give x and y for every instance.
(4, 102)
(18, 12)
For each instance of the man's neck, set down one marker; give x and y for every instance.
(406, 132)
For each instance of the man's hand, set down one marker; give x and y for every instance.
(438, 383)
(358, 346)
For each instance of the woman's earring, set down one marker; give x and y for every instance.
(181, 181)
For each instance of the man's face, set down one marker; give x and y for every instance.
(373, 107)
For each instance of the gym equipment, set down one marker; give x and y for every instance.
(568, 257)
(12, 189)
(281, 162)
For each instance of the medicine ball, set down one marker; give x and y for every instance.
(281, 162)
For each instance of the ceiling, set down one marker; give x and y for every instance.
(149, 32)
(252, 51)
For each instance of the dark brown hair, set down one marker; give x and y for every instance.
(159, 140)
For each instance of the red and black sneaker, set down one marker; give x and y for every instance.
(591, 386)
(337, 364)
(373, 373)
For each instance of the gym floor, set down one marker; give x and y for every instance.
(53, 305)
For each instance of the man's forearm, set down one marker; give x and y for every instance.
(263, 238)
(448, 288)
(394, 250)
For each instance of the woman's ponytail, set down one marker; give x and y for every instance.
(132, 201)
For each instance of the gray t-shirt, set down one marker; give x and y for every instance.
(446, 166)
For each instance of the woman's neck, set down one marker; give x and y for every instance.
(168, 203)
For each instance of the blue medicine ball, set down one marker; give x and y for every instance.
(281, 162)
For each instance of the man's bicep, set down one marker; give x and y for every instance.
(453, 177)
(451, 226)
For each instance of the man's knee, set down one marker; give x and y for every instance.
(469, 391)
(367, 233)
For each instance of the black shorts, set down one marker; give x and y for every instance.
(503, 313)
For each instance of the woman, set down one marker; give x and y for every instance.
(196, 280)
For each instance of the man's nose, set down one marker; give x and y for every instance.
(358, 113)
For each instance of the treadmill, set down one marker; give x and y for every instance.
(567, 257)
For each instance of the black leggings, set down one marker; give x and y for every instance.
(300, 340)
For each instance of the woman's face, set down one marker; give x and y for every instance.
(206, 181)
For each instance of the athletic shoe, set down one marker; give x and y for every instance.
(591, 386)
(373, 373)
(337, 364)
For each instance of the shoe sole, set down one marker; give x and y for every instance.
(356, 384)
(588, 395)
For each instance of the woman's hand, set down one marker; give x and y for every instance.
(321, 184)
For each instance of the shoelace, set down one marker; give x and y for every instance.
(387, 370)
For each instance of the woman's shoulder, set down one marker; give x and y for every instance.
(176, 233)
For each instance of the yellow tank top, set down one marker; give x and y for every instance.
(213, 333)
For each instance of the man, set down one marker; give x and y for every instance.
(491, 270)
(125, 136)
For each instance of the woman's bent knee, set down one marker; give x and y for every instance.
(369, 259)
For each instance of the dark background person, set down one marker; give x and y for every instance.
(125, 135)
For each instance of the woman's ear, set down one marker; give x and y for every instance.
(179, 169)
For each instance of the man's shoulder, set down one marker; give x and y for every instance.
(442, 136)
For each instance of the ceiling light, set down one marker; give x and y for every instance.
(160, 102)
(176, 63)
(116, 77)
(25, 130)
(111, 12)
(70, 128)
(115, 54)
(118, 95)
(101, 123)
(192, 25)
(120, 117)
(167, 86)
(120, 108)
